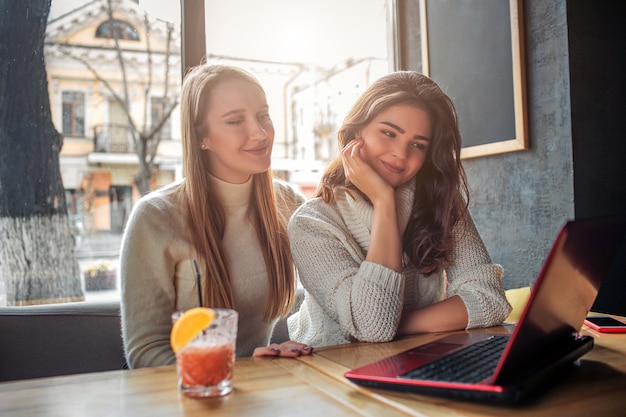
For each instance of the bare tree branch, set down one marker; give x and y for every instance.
(148, 87)
(146, 139)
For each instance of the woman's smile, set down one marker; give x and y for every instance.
(394, 169)
(258, 151)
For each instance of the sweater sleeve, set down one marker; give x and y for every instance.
(364, 299)
(473, 277)
(148, 293)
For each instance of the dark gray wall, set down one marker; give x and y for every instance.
(520, 200)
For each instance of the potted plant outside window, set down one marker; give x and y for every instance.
(100, 275)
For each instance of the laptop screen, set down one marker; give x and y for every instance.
(581, 257)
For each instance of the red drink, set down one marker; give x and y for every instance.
(205, 365)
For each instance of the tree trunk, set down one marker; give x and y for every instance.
(37, 256)
(144, 172)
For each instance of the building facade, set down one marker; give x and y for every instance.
(112, 75)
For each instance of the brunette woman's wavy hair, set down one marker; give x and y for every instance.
(441, 192)
(205, 213)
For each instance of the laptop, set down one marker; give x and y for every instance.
(544, 345)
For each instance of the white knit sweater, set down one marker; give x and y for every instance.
(158, 277)
(349, 299)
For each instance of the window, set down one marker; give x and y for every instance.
(73, 113)
(157, 110)
(100, 191)
(117, 29)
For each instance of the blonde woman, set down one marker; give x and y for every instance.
(228, 214)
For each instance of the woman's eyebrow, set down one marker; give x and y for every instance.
(399, 129)
(232, 112)
(238, 111)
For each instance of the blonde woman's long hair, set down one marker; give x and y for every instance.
(206, 215)
(441, 192)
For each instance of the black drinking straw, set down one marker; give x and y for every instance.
(195, 267)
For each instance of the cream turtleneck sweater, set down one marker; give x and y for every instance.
(158, 277)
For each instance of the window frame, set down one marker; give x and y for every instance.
(159, 103)
(124, 28)
(73, 133)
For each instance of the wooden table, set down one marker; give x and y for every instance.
(597, 388)
(309, 386)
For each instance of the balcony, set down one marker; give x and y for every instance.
(113, 144)
(113, 138)
(117, 138)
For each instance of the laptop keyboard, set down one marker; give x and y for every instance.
(468, 365)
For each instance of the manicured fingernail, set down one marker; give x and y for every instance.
(307, 348)
(295, 350)
(275, 350)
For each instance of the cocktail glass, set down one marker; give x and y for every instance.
(205, 365)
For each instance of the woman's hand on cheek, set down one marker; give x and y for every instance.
(288, 349)
(361, 174)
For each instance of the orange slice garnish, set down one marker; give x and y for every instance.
(189, 325)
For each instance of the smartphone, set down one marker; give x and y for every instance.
(605, 324)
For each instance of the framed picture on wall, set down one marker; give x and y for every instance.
(474, 50)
